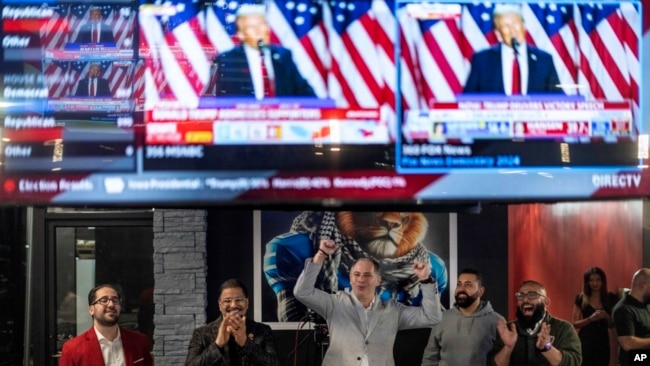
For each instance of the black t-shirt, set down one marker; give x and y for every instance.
(233, 348)
(631, 318)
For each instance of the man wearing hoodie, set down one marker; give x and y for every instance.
(468, 330)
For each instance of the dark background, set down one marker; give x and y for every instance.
(482, 244)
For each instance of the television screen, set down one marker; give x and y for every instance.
(320, 102)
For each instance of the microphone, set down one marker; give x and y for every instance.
(261, 44)
(515, 45)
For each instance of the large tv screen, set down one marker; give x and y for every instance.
(302, 102)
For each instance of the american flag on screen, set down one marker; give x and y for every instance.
(119, 18)
(296, 25)
(594, 46)
(346, 49)
(178, 63)
(54, 33)
(63, 76)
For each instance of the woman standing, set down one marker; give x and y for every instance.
(592, 318)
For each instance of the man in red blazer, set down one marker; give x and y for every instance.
(106, 343)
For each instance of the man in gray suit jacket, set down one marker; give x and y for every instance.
(362, 327)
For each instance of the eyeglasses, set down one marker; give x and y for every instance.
(104, 300)
(237, 300)
(529, 295)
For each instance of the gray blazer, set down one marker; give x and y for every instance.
(351, 336)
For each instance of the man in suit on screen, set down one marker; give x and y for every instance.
(106, 343)
(93, 85)
(95, 31)
(512, 67)
(254, 67)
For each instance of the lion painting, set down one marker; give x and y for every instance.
(392, 238)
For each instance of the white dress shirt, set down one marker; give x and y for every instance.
(507, 58)
(254, 57)
(112, 352)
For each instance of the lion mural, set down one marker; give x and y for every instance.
(393, 238)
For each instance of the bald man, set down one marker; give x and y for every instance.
(632, 319)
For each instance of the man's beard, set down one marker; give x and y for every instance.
(467, 301)
(646, 298)
(107, 322)
(530, 322)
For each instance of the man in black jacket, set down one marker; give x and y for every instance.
(232, 339)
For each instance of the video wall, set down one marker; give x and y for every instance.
(320, 102)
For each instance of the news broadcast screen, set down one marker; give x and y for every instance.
(305, 102)
(521, 85)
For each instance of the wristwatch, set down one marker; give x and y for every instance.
(547, 347)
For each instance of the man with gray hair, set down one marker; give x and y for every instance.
(512, 67)
(362, 327)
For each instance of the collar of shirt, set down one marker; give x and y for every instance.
(372, 303)
(112, 351)
(536, 327)
(507, 57)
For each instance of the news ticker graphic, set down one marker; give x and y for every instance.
(300, 188)
(520, 119)
(90, 104)
(499, 134)
(89, 52)
(233, 126)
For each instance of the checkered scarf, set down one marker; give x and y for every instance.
(396, 273)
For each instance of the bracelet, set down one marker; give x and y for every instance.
(547, 347)
(322, 251)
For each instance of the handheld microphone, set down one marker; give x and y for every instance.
(261, 44)
(515, 45)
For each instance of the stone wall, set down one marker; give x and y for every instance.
(180, 295)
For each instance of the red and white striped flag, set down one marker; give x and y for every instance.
(346, 49)
(178, 63)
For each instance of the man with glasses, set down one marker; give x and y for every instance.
(106, 343)
(232, 339)
(467, 331)
(536, 337)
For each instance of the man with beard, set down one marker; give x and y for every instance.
(362, 326)
(536, 337)
(232, 339)
(106, 343)
(467, 331)
(632, 319)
